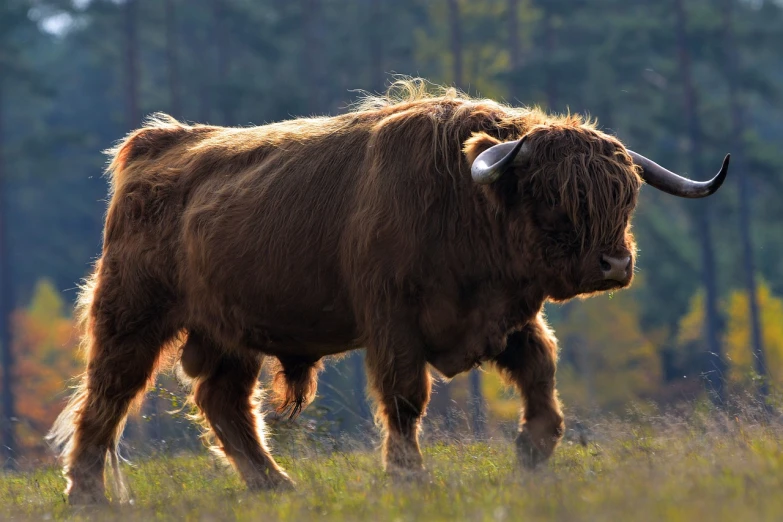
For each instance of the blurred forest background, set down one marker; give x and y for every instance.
(681, 81)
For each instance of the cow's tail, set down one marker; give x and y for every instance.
(295, 384)
(120, 489)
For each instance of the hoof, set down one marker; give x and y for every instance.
(408, 475)
(273, 482)
(85, 497)
(528, 455)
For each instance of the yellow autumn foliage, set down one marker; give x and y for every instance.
(737, 337)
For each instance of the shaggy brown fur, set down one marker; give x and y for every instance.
(307, 238)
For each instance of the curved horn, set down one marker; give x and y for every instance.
(493, 162)
(669, 182)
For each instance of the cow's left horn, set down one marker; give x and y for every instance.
(493, 162)
(671, 183)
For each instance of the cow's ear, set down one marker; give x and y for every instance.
(476, 144)
(501, 193)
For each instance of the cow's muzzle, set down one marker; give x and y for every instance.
(615, 268)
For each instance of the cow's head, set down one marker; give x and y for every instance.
(568, 192)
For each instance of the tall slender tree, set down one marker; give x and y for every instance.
(731, 73)
(311, 20)
(8, 450)
(131, 64)
(477, 407)
(172, 59)
(13, 20)
(701, 213)
(132, 120)
(548, 55)
(514, 48)
(455, 39)
(376, 39)
(220, 34)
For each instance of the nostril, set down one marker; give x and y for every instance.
(615, 268)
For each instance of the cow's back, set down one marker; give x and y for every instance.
(261, 235)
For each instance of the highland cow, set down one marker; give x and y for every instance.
(428, 229)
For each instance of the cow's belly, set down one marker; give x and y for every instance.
(459, 338)
(286, 331)
(301, 332)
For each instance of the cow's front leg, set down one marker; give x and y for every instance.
(529, 362)
(399, 379)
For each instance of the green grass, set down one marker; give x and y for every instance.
(663, 469)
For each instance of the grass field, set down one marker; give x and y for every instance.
(703, 467)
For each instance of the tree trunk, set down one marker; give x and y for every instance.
(701, 212)
(514, 48)
(476, 406)
(312, 73)
(223, 62)
(201, 45)
(132, 118)
(376, 34)
(738, 161)
(360, 387)
(172, 59)
(550, 44)
(455, 34)
(8, 450)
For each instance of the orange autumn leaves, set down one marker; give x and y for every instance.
(45, 349)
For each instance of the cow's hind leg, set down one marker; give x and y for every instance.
(126, 330)
(399, 379)
(228, 396)
(530, 361)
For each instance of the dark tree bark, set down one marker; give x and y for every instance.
(132, 118)
(731, 65)
(455, 35)
(312, 42)
(8, 450)
(204, 86)
(223, 61)
(476, 406)
(360, 387)
(701, 212)
(514, 48)
(513, 34)
(550, 45)
(172, 59)
(376, 34)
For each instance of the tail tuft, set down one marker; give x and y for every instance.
(60, 436)
(295, 384)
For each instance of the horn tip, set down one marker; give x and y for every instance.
(725, 167)
(721, 176)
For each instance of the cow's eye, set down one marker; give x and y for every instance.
(554, 220)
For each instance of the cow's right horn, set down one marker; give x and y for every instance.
(671, 183)
(493, 162)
